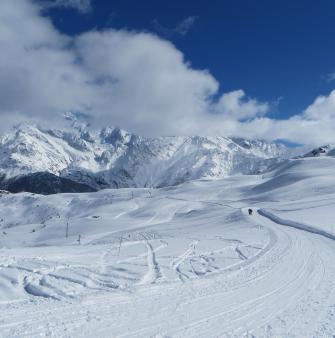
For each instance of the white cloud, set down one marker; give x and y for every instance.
(182, 28)
(131, 79)
(316, 125)
(144, 81)
(331, 77)
(235, 105)
(83, 6)
(322, 109)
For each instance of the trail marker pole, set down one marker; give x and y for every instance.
(67, 229)
(121, 238)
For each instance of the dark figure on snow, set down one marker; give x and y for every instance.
(250, 211)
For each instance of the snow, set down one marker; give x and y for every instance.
(113, 157)
(180, 261)
(293, 224)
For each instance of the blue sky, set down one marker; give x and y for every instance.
(278, 51)
(254, 69)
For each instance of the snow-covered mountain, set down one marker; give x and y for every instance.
(112, 157)
(326, 150)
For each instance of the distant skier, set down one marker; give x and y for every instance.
(250, 211)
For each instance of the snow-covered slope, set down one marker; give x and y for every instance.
(298, 178)
(113, 157)
(181, 261)
(327, 150)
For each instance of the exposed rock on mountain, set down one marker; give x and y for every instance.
(113, 157)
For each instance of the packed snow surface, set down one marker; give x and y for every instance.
(182, 261)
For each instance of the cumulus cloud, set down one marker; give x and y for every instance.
(144, 81)
(135, 80)
(316, 125)
(83, 6)
(235, 105)
(323, 108)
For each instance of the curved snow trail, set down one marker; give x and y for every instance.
(286, 292)
(297, 225)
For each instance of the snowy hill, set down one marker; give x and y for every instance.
(115, 158)
(83, 264)
(182, 261)
(298, 178)
(327, 150)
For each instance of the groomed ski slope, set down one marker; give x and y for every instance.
(184, 261)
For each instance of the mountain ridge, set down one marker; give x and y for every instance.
(114, 158)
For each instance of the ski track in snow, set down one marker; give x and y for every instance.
(171, 267)
(154, 272)
(253, 310)
(175, 263)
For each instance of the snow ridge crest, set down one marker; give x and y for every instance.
(113, 157)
